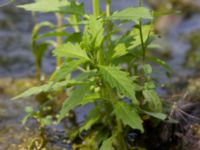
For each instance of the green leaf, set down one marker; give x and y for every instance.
(90, 98)
(86, 43)
(73, 8)
(89, 123)
(159, 62)
(147, 36)
(153, 101)
(129, 115)
(39, 89)
(74, 37)
(101, 136)
(96, 29)
(150, 85)
(69, 50)
(46, 5)
(28, 109)
(94, 115)
(93, 33)
(36, 30)
(65, 69)
(119, 79)
(51, 86)
(107, 144)
(74, 100)
(52, 34)
(168, 12)
(119, 50)
(157, 115)
(46, 121)
(132, 13)
(147, 69)
(39, 51)
(25, 119)
(86, 75)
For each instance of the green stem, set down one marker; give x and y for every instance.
(74, 21)
(59, 18)
(96, 8)
(108, 29)
(96, 13)
(141, 35)
(107, 8)
(38, 69)
(139, 2)
(142, 41)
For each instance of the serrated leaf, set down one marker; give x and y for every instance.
(119, 50)
(93, 33)
(132, 13)
(69, 50)
(119, 79)
(96, 30)
(74, 100)
(128, 115)
(147, 36)
(45, 5)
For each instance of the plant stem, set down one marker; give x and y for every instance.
(109, 28)
(96, 8)
(96, 13)
(141, 35)
(107, 8)
(38, 69)
(59, 18)
(74, 22)
(142, 41)
(139, 2)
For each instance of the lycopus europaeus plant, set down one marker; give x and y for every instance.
(112, 65)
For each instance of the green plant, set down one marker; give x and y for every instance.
(114, 72)
(39, 46)
(42, 120)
